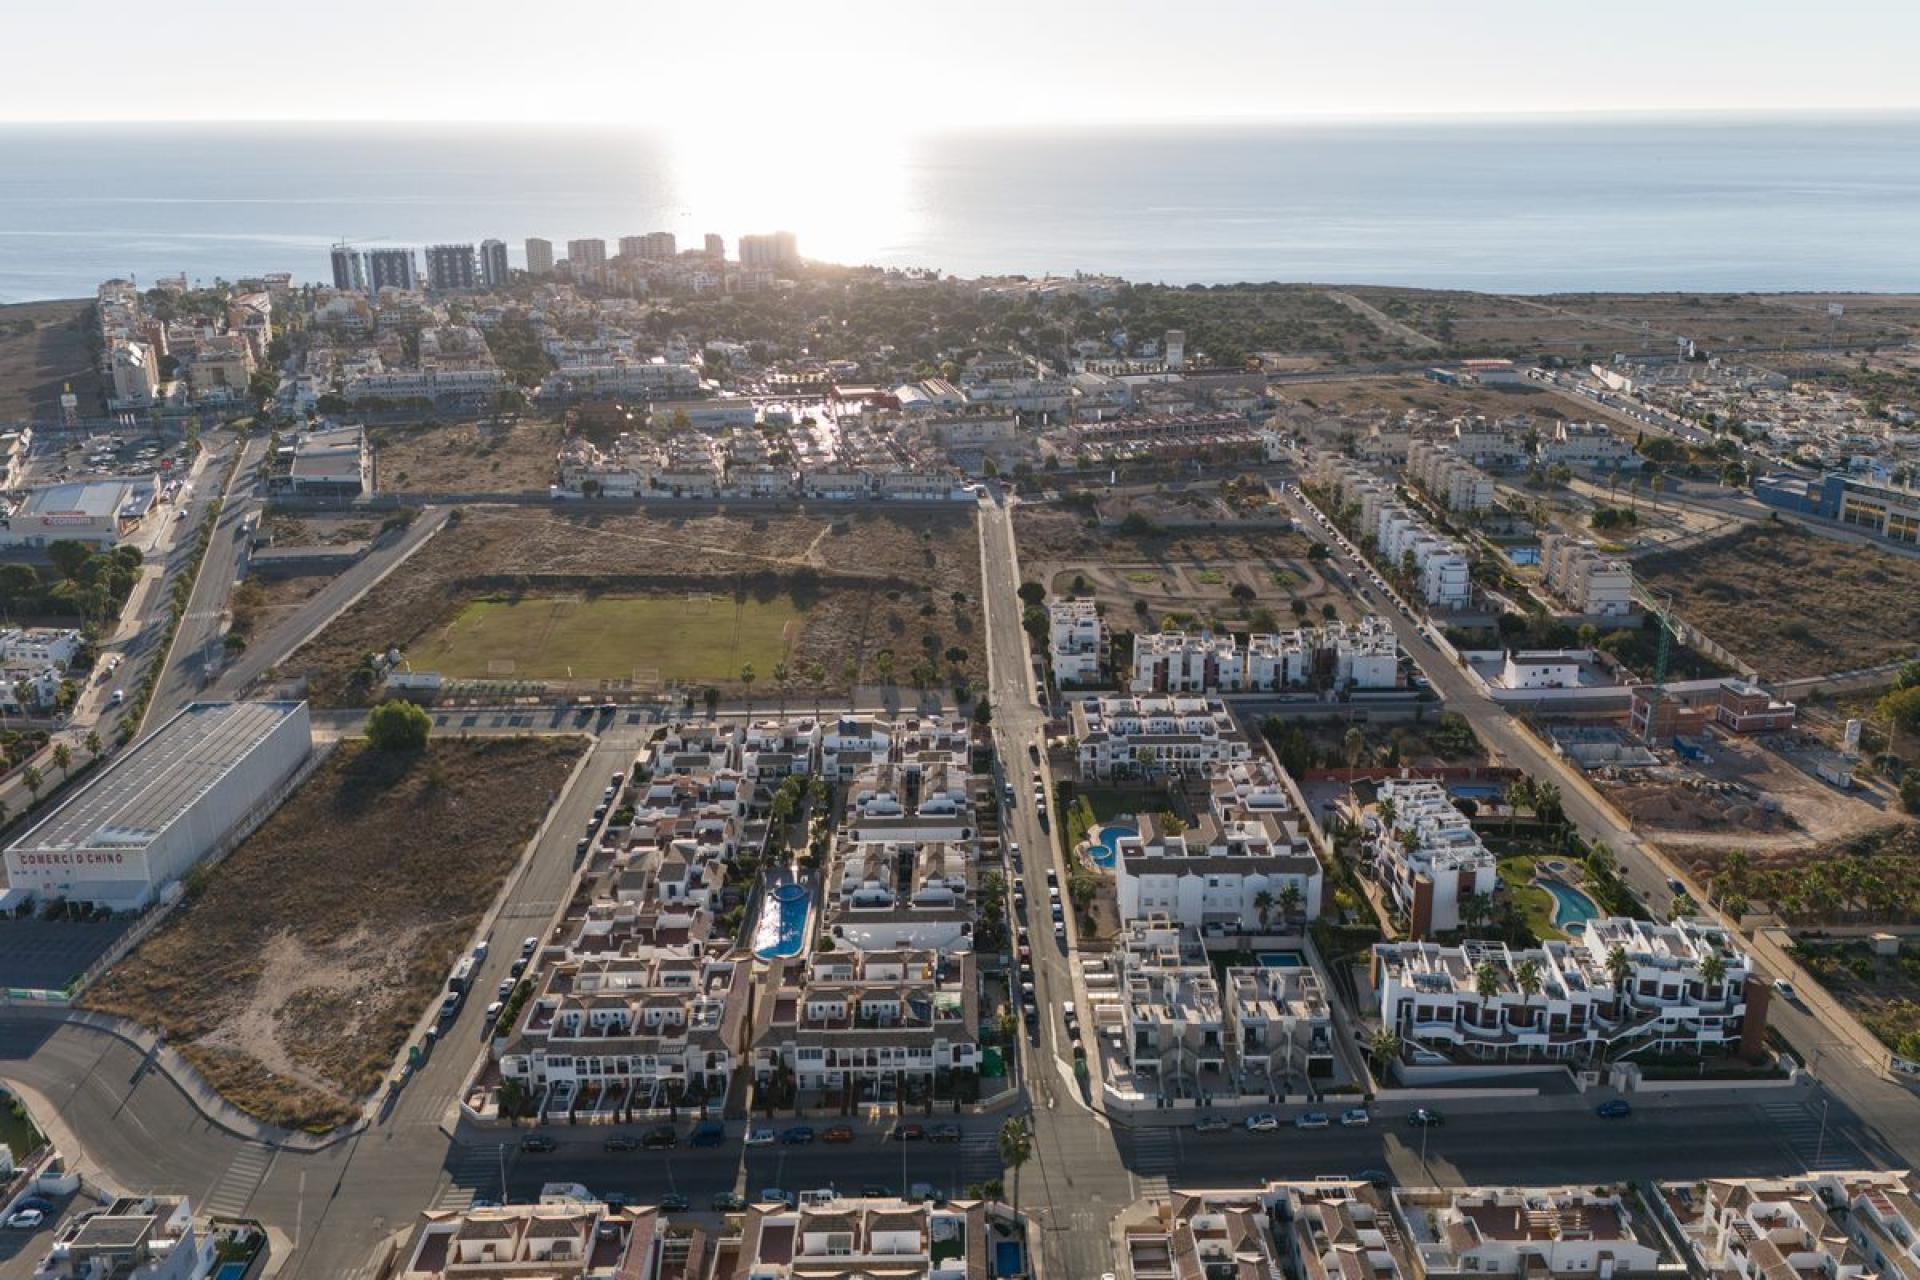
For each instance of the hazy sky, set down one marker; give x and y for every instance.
(745, 69)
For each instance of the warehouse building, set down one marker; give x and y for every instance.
(101, 513)
(145, 820)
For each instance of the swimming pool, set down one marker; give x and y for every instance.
(1009, 1258)
(1474, 790)
(1571, 908)
(231, 1271)
(1106, 842)
(1282, 960)
(782, 930)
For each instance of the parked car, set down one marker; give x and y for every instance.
(762, 1137)
(800, 1135)
(674, 1202)
(708, 1133)
(1355, 1117)
(1785, 989)
(1675, 885)
(944, 1133)
(506, 986)
(26, 1219)
(1425, 1118)
(1311, 1120)
(1614, 1109)
(537, 1142)
(660, 1138)
(906, 1133)
(621, 1142)
(494, 1008)
(876, 1191)
(528, 946)
(838, 1133)
(1263, 1122)
(728, 1202)
(1212, 1124)
(777, 1196)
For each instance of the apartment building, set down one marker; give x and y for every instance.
(1245, 865)
(904, 859)
(1131, 736)
(494, 272)
(1537, 1233)
(1616, 988)
(451, 267)
(1427, 856)
(862, 1023)
(654, 246)
(1448, 478)
(1856, 1225)
(539, 256)
(774, 251)
(1187, 662)
(1199, 1236)
(1173, 1026)
(587, 259)
(951, 1240)
(138, 1237)
(1339, 1230)
(40, 646)
(1591, 445)
(1486, 443)
(392, 269)
(1280, 1025)
(1076, 642)
(1590, 582)
(136, 374)
(772, 749)
(349, 269)
(562, 1238)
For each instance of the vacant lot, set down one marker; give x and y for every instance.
(697, 637)
(44, 348)
(866, 593)
(1869, 878)
(1400, 392)
(299, 966)
(1794, 603)
(1882, 991)
(466, 458)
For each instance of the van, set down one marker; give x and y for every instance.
(818, 1197)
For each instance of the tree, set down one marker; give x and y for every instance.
(1486, 980)
(30, 776)
(398, 725)
(1619, 968)
(1385, 1048)
(69, 558)
(1016, 1148)
(1328, 613)
(712, 698)
(782, 674)
(1526, 976)
(93, 744)
(1910, 791)
(1032, 594)
(1354, 747)
(1546, 802)
(1713, 970)
(1263, 903)
(747, 677)
(983, 713)
(62, 758)
(1291, 901)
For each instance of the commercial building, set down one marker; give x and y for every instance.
(144, 821)
(333, 462)
(1884, 510)
(1143, 736)
(450, 266)
(1427, 856)
(1683, 987)
(539, 257)
(494, 272)
(349, 269)
(1590, 582)
(101, 513)
(1076, 642)
(392, 269)
(135, 1237)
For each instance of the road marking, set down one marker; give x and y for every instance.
(231, 1195)
(470, 1169)
(1798, 1126)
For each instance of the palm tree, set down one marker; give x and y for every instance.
(781, 674)
(1546, 802)
(1713, 970)
(1263, 903)
(31, 777)
(1016, 1148)
(93, 744)
(1354, 747)
(1291, 901)
(1385, 1048)
(1526, 976)
(62, 758)
(1474, 910)
(747, 677)
(1619, 968)
(1516, 795)
(1486, 980)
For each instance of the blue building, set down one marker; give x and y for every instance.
(1879, 509)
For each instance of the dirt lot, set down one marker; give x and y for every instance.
(1190, 574)
(276, 598)
(466, 458)
(1882, 991)
(43, 348)
(1399, 392)
(875, 588)
(297, 969)
(1794, 603)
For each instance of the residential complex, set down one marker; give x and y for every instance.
(1133, 736)
(1076, 642)
(856, 1237)
(1336, 658)
(1617, 988)
(1593, 446)
(1592, 583)
(1857, 1224)
(1448, 478)
(561, 1238)
(1428, 858)
(1401, 539)
(134, 1236)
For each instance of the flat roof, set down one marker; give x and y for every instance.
(85, 497)
(147, 790)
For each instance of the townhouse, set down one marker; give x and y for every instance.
(1336, 658)
(1128, 736)
(1427, 856)
(904, 858)
(1339, 1230)
(1243, 866)
(1617, 988)
(1592, 445)
(1279, 1024)
(563, 1238)
(1076, 642)
(142, 1237)
(1543, 1233)
(1187, 662)
(1857, 1225)
(951, 1240)
(1173, 1025)
(1199, 1236)
(862, 1023)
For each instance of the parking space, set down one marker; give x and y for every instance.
(46, 955)
(22, 1249)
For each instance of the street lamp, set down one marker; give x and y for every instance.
(1820, 1148)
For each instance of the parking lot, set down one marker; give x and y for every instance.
(22, 1250)
(46, 955)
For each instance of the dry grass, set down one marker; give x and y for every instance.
(466, 458)
(43, 349)
(1400, 392)
(296, 973)
(867, 582)
(1794, 603)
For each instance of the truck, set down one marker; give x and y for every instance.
(462, 975)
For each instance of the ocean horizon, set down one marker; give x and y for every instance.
(1808, 202)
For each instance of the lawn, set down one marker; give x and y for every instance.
(1534, 903)
(694, 638)
(296, 969)
(17, 1131)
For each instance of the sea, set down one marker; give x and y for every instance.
(1551, 204)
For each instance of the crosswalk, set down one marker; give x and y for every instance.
(1156, 1154)
(475, 1172)
(234, 1192)
(980, 1158)
(1798, 1126)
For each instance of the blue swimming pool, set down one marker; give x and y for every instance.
(1571, 908)
(782, 930)
(230, 1271)
(1282, 960)
(1475, 790)
(1009, 1259)
(1106, 844)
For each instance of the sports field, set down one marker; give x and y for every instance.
(646, 638)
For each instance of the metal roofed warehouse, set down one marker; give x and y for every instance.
(146, 819)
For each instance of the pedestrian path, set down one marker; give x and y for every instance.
(1156, 1154)
(475, 1173)
(980, 1158)
(1799, 1128)
(234, 1192)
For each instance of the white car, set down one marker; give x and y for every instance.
(1355, 1117)
(760, 1137)
(26, 1220)
(1784, 987)
(1263, 1122)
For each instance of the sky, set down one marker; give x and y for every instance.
(766, 71)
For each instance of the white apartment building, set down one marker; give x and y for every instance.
(1560, 1001)
(1337, 657)
(141, 1237)
(1187, 662)
(1427, 855)
(859, 1023)
(1244, 866)
(1440, 565)
(1076, 642)
(1589, 581)
(1449, 478)
(1129, 736)
(904, 861)
(1856, 1225)
(561, 1238)
(1486, 443)
(1588, 444)
(136, 373)
(40, 646)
